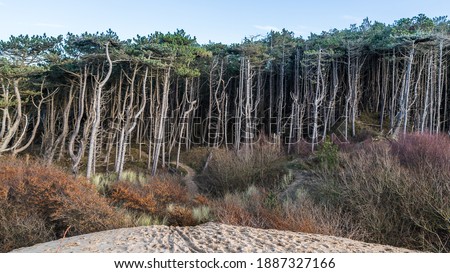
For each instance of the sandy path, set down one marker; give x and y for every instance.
(210, 238)
(188, 178)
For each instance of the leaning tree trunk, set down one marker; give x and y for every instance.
(97, 118)
(131, 121)
(12, 131)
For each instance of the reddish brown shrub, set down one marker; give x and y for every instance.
(180, 215)
(201, 200)
(163, 197)
(21, 228)
(49, 197)
(231, 210)
(133, 197)
(303, 215)
(423, 151)
(168, 191)
(261, 209)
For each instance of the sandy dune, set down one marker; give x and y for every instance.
(210, 237)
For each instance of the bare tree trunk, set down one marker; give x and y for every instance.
(238, 103)
(318, 98)
(159, 135)
(131, 120)
(407, 90)
(270, 98)
(248, 109)
(294, 117)
(183, 123)
(6, 120)
(208, 131)
(332, 102)
(11, 133)
(402, 116)
(97, 118)
(281, 98)
(439, 87)
(76, 156)
(16, 150)
(65, 130)
(384, 90)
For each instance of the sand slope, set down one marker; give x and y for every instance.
(210, 237)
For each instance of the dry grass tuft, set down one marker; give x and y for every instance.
(161, 197)
(260, 209)
(230, 172)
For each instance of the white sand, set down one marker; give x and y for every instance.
(210, 237)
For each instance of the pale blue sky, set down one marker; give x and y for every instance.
(219, 21)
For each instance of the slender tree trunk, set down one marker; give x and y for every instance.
(161, 121)
(11, 133)
(97, 118)
(439, 87)
(76, 156)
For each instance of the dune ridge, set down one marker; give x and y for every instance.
(208, 238)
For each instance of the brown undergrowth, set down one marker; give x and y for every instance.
(261, 209)
(262, 165)
(162, 197)
(388, 192)
(38, 203)
(396, 192)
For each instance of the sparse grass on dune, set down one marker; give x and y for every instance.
(229, 172)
